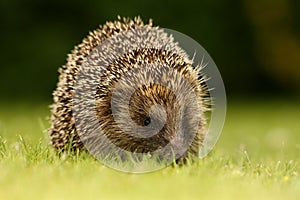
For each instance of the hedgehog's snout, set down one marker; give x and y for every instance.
(157, 115)
(149, 121)
(165, 121)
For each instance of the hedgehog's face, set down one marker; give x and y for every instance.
(153, 118)
(172, 119)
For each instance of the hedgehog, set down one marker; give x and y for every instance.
(130, 87)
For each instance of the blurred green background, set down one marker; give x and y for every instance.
(255, 43)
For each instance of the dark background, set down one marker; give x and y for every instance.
(255, 43)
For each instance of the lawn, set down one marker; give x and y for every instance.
(256, 157)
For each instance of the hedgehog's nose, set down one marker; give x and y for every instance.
(178, 147)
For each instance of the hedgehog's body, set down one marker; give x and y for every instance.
(167, 92)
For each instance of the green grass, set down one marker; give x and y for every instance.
(257, 157)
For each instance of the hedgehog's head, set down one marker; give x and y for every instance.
(163, 118)
(153, 105)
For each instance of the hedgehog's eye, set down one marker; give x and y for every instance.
(147, 121)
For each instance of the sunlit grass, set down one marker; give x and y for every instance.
(257, 157)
